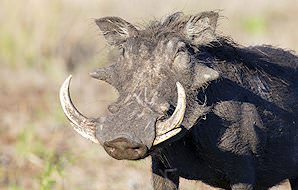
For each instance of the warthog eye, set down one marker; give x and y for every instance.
(182, 58)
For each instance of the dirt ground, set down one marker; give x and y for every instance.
(42, 42)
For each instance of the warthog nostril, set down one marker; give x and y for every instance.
(123, 148)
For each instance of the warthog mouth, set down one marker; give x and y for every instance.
(86, 127)
(171, 127)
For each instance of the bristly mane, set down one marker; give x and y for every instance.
(181, 25)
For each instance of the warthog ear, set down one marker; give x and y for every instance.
(200, 28)
(115, 29)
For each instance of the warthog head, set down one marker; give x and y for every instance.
(157, 75)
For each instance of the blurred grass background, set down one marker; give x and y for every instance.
(42, 42)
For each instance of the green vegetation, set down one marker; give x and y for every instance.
(254, 25)
(51, 162)
(14, 187)
(47, 181)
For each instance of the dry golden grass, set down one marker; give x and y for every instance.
(42, 42)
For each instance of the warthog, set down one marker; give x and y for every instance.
(203, 107)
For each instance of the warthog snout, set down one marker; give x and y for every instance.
(123, 148)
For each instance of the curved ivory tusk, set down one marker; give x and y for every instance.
(164, 137)
(80, 123)
(168, 128)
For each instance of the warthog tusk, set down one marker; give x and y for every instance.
(170, 127)
(80, 123)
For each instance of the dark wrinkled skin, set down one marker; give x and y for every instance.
(240, 129)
